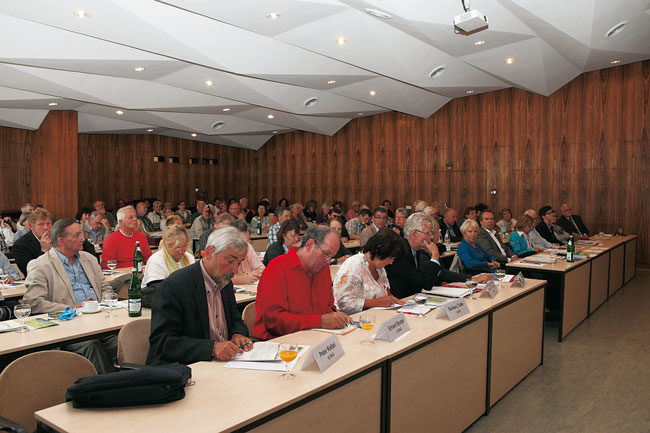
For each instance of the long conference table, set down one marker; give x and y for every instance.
(442, 376)
(586, 284)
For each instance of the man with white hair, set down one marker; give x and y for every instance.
(534, 238)
(120, 245)
(419, 268)
(178, 333)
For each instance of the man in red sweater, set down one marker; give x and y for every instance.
(120, 245)
(295, 291)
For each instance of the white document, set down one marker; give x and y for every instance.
(267, 365)
(449, 292)
(341, 331)
(386, 308)
(262, 351)
(415, 309)
(9, 325)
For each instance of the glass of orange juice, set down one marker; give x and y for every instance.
(367, 322)
(288, 352)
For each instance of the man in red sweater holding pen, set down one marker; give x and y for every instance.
(120, 245)
(295, 291)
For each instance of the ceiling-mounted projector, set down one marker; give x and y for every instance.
(470, 22)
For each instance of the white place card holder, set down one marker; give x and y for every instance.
(324, 354)
(519, 281)
(453, 309)
(393, 328)
(490, 290)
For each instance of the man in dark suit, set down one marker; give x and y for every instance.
(419, 268)
(36, 242)
(194, 315)
(490, 240)
(572, 223)
(448, 224)
(544, 227)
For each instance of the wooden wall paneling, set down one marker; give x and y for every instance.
(15, 168)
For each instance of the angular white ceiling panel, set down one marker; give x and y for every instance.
(200, 63)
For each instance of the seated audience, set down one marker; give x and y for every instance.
(6, 268)
(82, 215)
(469, 214)
(6, 232)
(23, 222)
(120, 245)
(184, 213)
(100, 208)
(201, 224)
(387, 204)
(284, 202)
(507, 223)
(419, 267)
(534, 238)
(260, 216)
(250, 269)
(519, 237)
(64, 277)
(27, 208)
(248, 213)
(474, 258)
(361, 282)
(420, 205)
(283, 214)
(36, 242)
(234, 209)
(490, 240)
(435, 214)
(225, 219)
(295, 291)
(356, 225)
(544, 227)
(296, 213)
(560, 234)
(169, 217)
(379, 218)
(448, 225)
(337, 225)
(97, 228)
(145, 225)
(203, 292)
(200, 205)
(321, 218)
(353, 212)
(401, 214)
(310, 211)
(288, 237)
(171, 256)
(156, 215)
(572, 223)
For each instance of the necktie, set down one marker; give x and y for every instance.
(575, 225)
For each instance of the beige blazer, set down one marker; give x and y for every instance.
(48, 285)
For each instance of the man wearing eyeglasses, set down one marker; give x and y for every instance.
(295, 291)
(379, 218)
(534, 238)
(544, 228)
(420, 268)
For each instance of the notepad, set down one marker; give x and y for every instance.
(265, 365)
(262, 351)
(341, 331)
(449, 292)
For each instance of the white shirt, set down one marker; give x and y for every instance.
(156, 268)
(492, 234)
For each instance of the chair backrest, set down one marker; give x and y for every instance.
(248, 316)
(38, 381)
(456, 264)
(133, 342)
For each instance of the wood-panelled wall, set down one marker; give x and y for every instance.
(586, 144)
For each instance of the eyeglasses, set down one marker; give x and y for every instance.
(326, 256)
(380, 217)
(425, 233)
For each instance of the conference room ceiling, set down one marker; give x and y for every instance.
(229, 73)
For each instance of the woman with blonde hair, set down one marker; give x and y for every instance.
(171, 256)
(420, 205)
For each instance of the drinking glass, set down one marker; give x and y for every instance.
(471, 284)
(3, 280)
(22, 311)
(420, 300)
(110, 299)
(367, 322)
(111, 264)
(287, 353)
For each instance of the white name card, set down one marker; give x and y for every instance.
(453, 309)
(519, 281)
(324, 354)
(490, 289)
(393, 328)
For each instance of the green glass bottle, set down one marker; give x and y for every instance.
(570, 250)
(135, 295)
(138, 260)
(259, 226)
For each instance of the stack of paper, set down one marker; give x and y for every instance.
(540, 258)
(415, 309)
(449, 292)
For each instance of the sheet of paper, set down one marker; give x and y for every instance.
(342, 331)
(415, 309)
(267, 365)
(386, 308)
(262, 351)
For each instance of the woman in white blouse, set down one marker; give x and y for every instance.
(361, 282)
(171, 256)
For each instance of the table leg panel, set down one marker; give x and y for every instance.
(599, 281)
(616, 269)
(576, 298)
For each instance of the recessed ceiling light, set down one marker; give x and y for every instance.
(311, 102)
(275, 132)
(53, 104)
(618, 28)
(341, 41)
(273, 15)
(437, 71)
(81, 14)
(226, 109)
(359, 114)
(271, 116)
(150, 130)
(194, 134)
(209, 83)
(379, 14)
(138, 68)
(479, 42)
(331, 82)
(218, 124)
(613, 62)
(469, 92)
(120, 112)
(510, 60)
(372, 93)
